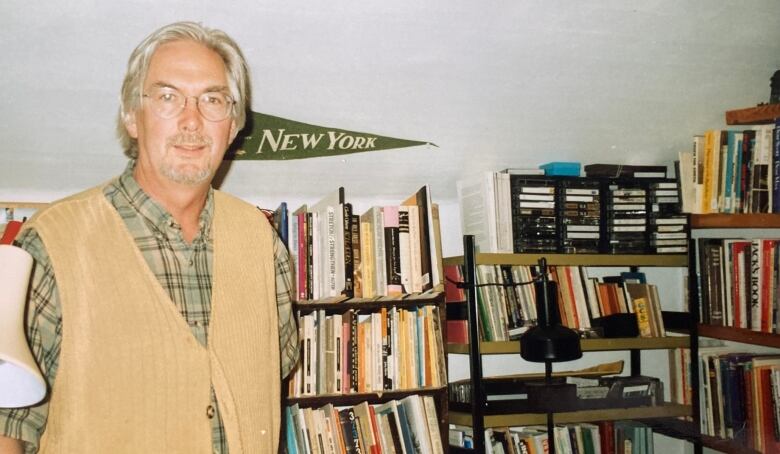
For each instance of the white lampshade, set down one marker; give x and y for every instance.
(21, 383)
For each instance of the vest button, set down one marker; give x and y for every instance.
(210, 411)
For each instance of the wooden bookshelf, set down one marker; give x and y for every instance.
(613, 414)
(765, 113)
(744, 336)
(588, 345)
(735, 221)
(663, 260)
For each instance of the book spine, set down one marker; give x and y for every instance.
(392, 251)
(404, 250)
(380, 274)
(357, 256)
(349, 258)
(776, 168)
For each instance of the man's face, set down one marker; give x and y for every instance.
(187, 148)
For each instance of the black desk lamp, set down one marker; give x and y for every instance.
(549, 341)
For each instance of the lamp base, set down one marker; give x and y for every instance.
(550, 343)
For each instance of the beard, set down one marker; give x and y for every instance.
(190, 172)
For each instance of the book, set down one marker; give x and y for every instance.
(290, 435)
(478, 210)
(10, 232)
(279, 220)
(392, 250)
(390, 411)
(429, 405)
(425, 228)
(418, 424)
(350, 431)
(404, 250)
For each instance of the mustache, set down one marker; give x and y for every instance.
(189, 140)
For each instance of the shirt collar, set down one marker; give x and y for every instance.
(154, 213)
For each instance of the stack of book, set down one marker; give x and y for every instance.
(738, 279)
(392, 348)
(388, 251)
(407, 425)
(507, 306)
(605, 437)
(738, 396)
(732, 171)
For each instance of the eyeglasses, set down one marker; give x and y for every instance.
(168, 102)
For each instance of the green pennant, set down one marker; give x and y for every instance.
(267, 137)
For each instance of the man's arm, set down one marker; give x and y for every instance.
(288, 330)
(10, 446)
(43, 323)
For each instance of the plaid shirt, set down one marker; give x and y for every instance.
(184, 271)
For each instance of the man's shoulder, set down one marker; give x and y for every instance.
(67, 203)
(229, 203)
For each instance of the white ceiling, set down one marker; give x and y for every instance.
(494, 83)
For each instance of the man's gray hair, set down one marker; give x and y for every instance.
(236, 70)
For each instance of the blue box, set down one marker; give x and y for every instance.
(569, 169)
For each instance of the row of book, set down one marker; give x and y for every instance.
(409, 425)
(732, 171)
(543, 214)
(337, 254)
(738, 282)
(739, 395)
(606, 437)
(392, 348)
(507, 303)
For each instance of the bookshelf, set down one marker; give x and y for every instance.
(370, 308)
(481, 415)
(738, 225)
(382, 394)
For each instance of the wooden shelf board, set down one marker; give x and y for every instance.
(745, 336)
(765, 113)
(588, 345)
(343, 302)
(670, 260)
(612, 414)
(687, 430)
(351, 399)
(35, 205)
(726, 446)
(733, 221)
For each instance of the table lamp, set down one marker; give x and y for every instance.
(549, 341)
(21, 383)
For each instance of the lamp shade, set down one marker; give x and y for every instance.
(21, 383)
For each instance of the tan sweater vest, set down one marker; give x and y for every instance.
(132, 378)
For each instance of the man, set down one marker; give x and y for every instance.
(160, 310)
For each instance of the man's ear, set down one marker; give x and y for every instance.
(131, 124)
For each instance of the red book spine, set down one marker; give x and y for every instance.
(607, 437)
(10, 232)
(766, 278)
